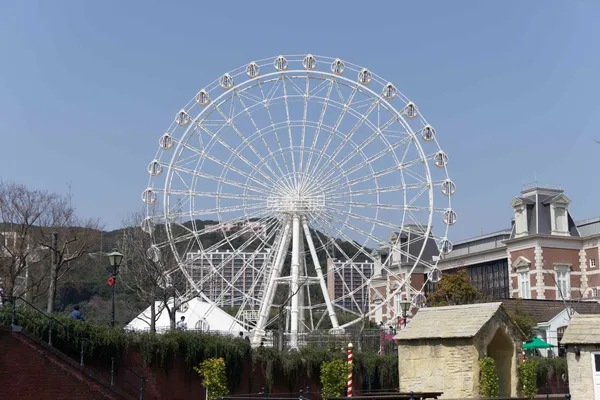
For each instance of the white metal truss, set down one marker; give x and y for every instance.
(300, 161)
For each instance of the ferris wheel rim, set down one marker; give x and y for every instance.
(304, 74)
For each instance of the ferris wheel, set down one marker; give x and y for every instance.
(302, 184)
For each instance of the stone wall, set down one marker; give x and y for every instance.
(581, 379)
(439, 365)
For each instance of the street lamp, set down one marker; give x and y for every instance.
(405, 308)
(114, 259)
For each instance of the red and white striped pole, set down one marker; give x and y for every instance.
(349, 370)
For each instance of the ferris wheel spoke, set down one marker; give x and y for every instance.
(265, 143)
(318, 130)
(359, 149)
(222, 180)
(217, 194)
(273, 125)
(334, 130)
(364, 117)
(366, 162)
(304, 115)
(349, 259)
(375, 190)
(227, 239)
(287, 113)
(216, 273)
(345, 285)
(362, 217)
(238, 156)
(247, 143)
(356, 229)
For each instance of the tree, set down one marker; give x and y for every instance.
(150, 273)
(524, 320)
(214, 375)
(36, 226)
(67, 238)
(454, 289)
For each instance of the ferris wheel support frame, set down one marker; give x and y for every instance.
(298, 225)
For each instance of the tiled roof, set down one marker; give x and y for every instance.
(583, 329)
(545, 310)
(448, 322)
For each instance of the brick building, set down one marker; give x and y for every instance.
(545, 254)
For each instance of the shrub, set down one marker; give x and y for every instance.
(215, 378)
(549, 367)
(527, 372)
(488, 379)
(334, 378)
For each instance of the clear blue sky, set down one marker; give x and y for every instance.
(512, 87)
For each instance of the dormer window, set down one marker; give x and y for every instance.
(521, 228)
(559, 214)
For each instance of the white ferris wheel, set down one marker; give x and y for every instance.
(301, 183)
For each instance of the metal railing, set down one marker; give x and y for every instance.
(52, 330)
(370, 340)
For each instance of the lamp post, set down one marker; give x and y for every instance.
(405, 308)
(114, 259)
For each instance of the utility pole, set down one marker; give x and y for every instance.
(53, 272)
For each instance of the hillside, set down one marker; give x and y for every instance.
(86, 284)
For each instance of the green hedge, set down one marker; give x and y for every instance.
(103, 343)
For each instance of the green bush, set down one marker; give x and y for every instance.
(488, 379)
(548, 368)
(214, 379)
(528, 372)
(334, 375)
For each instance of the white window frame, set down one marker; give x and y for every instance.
(563, 280)
(524, 279)
(592, 262)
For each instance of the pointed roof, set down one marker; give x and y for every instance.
(449, 322)
(583, 329)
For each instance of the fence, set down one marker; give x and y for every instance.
(369, 340)
(18, 312)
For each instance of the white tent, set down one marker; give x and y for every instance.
(197, 317)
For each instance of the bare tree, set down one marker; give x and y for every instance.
(67, 238)
(37, 226)
(151, 274)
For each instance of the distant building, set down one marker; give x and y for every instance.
(411, 243)
(545, 254)
(346, 284)
(229, 277)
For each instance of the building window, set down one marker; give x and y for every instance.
(491, 278)
(563, 281)
(524, 284)
(592, 262)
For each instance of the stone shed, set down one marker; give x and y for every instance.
(440, 349)
(582, 340)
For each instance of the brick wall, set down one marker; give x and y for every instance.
(30, 371)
